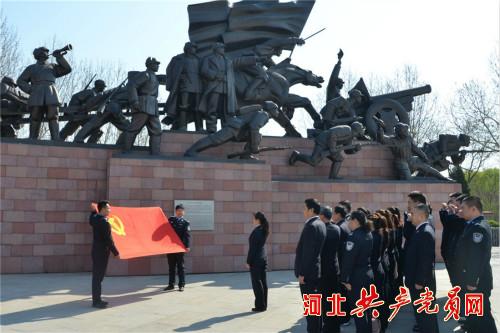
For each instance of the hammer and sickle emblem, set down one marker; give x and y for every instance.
(116, 225)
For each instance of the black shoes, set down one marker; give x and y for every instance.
(100, 305)
(181, 288)
(259, 309)
(169, 287)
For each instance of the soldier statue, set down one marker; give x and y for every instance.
(265, 52)
(80, 104)
(184, 84)
(447, 145)
(335, 84)
(109, 110)
(39, 80)
(331, 143)
(14, 102)
(408, 158)
(143, 93)
(218, 72)
(243, 127)
(341, 111)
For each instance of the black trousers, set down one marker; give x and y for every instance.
(100, 258)
(427, 322)
(347, 306)
(330, 285)
(176, 260)
(313, 322)
(363, 324)
(259, 285)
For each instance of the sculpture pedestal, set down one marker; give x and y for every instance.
(47, 188)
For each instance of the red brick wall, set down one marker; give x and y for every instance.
(46, 191)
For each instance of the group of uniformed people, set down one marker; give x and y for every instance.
(342, 251)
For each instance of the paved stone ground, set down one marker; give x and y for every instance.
(210, 303)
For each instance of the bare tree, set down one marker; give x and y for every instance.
(11, 61)
(475, 112)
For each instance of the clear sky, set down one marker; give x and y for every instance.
(449, 41)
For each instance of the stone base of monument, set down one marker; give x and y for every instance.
(47, 188)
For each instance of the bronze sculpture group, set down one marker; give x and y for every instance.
(241, 88)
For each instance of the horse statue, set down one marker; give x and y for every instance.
(276, 88)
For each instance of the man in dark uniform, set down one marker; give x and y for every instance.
(453, 227)
(331, 143)
(308, 257)
(181, 227)
(473, 263)
(84, 102)
(244, 127)
(329, 283)
(419, 266)
(340, 214)
(184, 85)
(101, 246)
(112, 113)
(39, 80)
(143, 94)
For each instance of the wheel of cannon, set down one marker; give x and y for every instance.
(383, 105)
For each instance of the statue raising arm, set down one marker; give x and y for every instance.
(332, 90)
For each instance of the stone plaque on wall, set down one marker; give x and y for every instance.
(200, 213)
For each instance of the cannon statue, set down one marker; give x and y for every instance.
(391, 108)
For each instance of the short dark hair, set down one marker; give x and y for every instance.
(313, 204)
(473, 202)
(346, 204)
(326, 211)
(417, 196)
(423, 208)
(340, 210)
(454, 195)
(102, 204)
(181, 206)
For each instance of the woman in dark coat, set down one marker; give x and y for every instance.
(257, 260)
(379, 263)
(356, 271)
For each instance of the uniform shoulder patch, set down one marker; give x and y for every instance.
(349, 245)
(477, 237)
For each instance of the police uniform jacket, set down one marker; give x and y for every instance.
(182, 229)
(356, 268)
(473, 255)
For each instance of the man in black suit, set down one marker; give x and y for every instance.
(453, 227)
(308, 256)
(329, 282)
(473, 263)
(340, 213)
(419, 266)
(101, 246)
